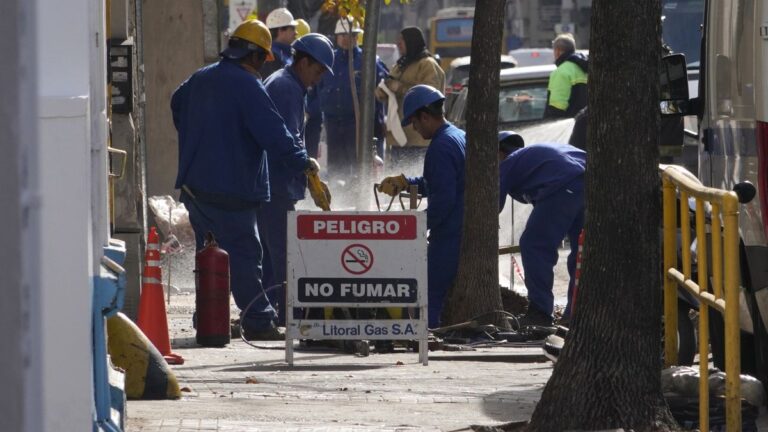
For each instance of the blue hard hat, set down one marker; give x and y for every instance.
(417, 97)
(509, 141)
(318, 47)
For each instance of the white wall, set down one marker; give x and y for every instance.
(72, 190)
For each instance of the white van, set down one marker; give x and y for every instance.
(732, 108)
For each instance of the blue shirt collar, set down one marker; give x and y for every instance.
(295, 77)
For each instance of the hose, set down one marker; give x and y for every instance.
(243, 312)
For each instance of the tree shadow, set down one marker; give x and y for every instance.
(512, 405)
(282, 366)
(506, 358)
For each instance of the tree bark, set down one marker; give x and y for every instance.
(608, 375)
(476, 289)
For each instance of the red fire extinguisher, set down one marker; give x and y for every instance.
(212, 294)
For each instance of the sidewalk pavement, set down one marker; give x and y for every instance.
(241, 388)
(244, 389)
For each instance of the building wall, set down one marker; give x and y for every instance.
(173, 49)
(71, 189)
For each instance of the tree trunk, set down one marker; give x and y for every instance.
(476, 290)
(608, 375)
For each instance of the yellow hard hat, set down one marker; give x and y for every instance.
(246, 37)
(302, 27)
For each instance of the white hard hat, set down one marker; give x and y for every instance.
(281, 17)
(343, 25)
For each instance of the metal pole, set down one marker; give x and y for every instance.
(368, 85)
(732, 330)
(670, 258)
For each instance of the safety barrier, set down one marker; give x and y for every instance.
(679, 183)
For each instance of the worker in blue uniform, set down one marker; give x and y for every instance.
(227, 127)
(442, 183)
(314, 118)
(282, 27)
(551, 177)
(335, 94)
(312, 58)
(314, 125)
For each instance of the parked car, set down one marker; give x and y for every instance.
(522, 97)
(458, 72)
(533, 56)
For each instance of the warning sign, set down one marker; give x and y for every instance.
(382, 329)
(375, 226)
(357, 260)
(239, 11)
(323, 290)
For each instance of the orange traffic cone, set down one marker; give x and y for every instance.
(152, 316)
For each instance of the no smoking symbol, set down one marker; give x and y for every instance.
(357, 259)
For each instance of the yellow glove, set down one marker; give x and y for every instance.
(312, 166)
(319, 192)
(393, 185)
(326, 192)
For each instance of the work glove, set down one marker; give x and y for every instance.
(393, 185)
(319, 196)
(319, 191)
(312, 166)
(326, 192)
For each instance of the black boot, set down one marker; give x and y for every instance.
(534, 317)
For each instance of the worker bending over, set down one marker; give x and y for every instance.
(227, 127)
(443, 185)
(551, 177)
(312, 58)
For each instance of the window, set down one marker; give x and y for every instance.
(522, 103)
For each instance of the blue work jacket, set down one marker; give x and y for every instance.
(443, 181)
(283, 53)
(335, 93)
(227, 124)
(313, 103)
(289, 94)
(283, 57)
(534, 172)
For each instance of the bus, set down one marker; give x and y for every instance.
(450, 34)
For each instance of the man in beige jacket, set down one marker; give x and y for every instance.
(415, 66)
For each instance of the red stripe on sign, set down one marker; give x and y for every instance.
(356, 227)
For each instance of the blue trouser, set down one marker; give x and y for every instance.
(560, 214)
(236, 232)
(442, 264)
(312, 134)
(342, 151)
(273, 228)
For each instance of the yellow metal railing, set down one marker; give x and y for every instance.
(724, 266)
